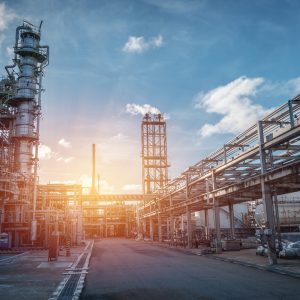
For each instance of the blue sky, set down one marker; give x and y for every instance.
(213, 67)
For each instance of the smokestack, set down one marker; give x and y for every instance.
(93, 188)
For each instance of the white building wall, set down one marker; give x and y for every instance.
(239, 210)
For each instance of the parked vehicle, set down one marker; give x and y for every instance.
(292, 250)
(262, 250)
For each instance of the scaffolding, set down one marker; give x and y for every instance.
(154, 153)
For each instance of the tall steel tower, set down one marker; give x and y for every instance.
(20, 108)
(30, 58)
(154, 153)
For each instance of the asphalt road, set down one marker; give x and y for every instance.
(126, 269)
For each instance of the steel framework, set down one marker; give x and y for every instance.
(154, 153)
(262, 162)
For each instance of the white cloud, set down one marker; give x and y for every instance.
(68, 159)
(10, 51)
(292, 87)
(157, 42)
(63, 182)
(105, 187)
(45, 152)
(119, 137)
(177, 6)
(62, 142)
(132, 188)
(6, 16)
(136, 109)
(233, 101)
(139, 44)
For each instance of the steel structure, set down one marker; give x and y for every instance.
(65, 209)
(59, 211)
(20, 106)
(262, 162)
(154, 153)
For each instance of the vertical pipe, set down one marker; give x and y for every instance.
(172, 227)
(216, 215)
(189, 226)
(267, 199)
(36, 158)
(206, 220)
(151, 229)
(277, 221)
(231, 219)
(144, 227)
(159, 227)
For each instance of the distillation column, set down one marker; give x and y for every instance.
(30, 59)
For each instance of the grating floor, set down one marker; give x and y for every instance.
(70, 287)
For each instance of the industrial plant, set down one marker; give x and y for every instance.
(243, 195)
(212, 202)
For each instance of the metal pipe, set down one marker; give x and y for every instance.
(36, 152)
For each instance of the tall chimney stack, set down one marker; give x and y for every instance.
(93, 188)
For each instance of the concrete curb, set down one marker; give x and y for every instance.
(273, 269)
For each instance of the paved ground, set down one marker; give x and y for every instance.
(245, 257)
(31, 276)
(126, 269)
(248, 256)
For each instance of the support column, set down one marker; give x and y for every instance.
(138, 221)
(159, 227)
(172, 227)
(46, 229)
(151, 229)
(182, 222)
(231, 219)
(206, 220)
(270, 222)
(216, 216)
(144, 227)
(168, 227)
(127, 225)
(105, 221)
(188, 213)
(267, 200)
(189, 226)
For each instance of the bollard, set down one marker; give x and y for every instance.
(68, 244)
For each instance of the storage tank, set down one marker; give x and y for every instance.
(288, 212)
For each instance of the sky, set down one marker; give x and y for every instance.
(213, 68)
